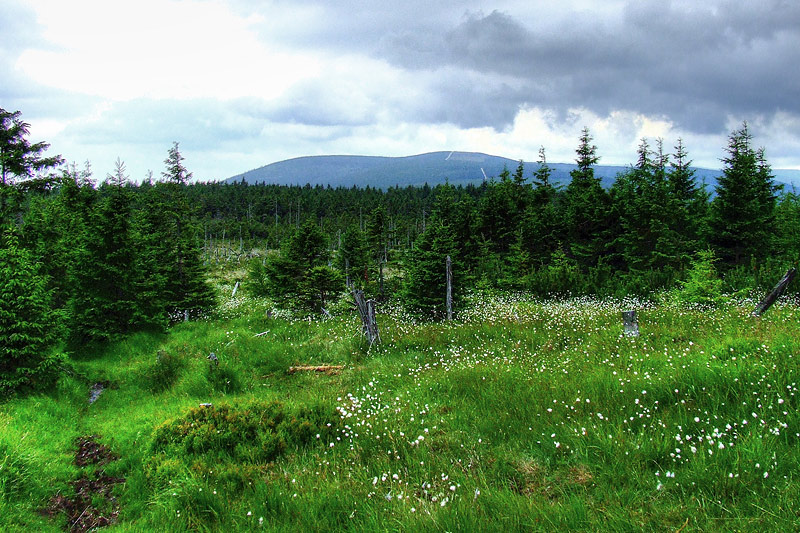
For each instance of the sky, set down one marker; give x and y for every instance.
(244, 83)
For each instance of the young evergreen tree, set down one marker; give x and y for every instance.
(19, 160)
(743, 212)
(26, 344)
(300, 275)
(319, 286)
(500, 212)
(541, 229)
(18, 157)
(104, 299)
(688, 205)
(353, 259)
(170, 253)
(376, 242)
(586, 208)
(787, 221)
(425, 289)
(646, 240)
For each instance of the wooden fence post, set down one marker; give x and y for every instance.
(366, 309)
(449, 299)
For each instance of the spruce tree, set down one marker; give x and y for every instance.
(646, 240)
(104, 300)
(500, 211)
(170, 252)
(688, 205)
(426, 277)
(352, 259)
(19, 161)
(27, 359)
(586, 207)
(787, 221)
(300, 275)
(743, 212)
(541, 229)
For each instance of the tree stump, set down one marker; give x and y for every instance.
(630, 324)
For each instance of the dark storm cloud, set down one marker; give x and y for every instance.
(696, 65)
(696, 68)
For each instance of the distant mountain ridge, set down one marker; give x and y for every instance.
(458, 168)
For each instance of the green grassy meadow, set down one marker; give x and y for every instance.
(520, 415)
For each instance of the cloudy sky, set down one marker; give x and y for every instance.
(241, 83)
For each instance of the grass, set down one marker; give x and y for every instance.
(521, 415)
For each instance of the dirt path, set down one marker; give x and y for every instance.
(92, 505)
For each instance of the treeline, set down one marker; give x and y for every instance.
(519, 231)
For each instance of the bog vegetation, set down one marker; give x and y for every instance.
(148, 333)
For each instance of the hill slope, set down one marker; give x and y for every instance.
(459, 168)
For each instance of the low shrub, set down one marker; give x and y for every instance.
(703, 286)
(224, 439)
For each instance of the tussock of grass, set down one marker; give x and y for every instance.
(520, 415)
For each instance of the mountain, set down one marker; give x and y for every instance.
(459, 168)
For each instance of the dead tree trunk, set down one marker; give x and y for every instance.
(366, 309)
(449, 298)
(767, 302)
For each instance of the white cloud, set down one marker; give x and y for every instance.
(159, 49)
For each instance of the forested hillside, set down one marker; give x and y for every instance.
(436, 168)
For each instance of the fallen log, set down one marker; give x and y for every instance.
(770, 299)
(328, 369)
